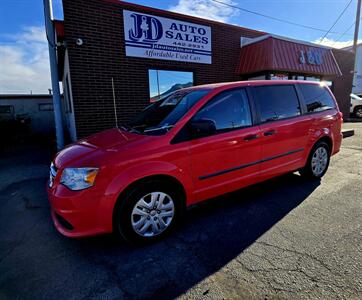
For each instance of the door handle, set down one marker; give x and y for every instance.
(270, 132)
(251, 137)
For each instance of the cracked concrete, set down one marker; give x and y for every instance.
(284, 239)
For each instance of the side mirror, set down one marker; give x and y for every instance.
(202, 128)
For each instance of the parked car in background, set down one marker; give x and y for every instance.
(356, 105)
(197, 143)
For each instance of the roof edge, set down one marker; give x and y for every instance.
(11, 96)
(283, 38)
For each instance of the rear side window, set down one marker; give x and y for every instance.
(316, 97)
(277, 102)
(228, 110)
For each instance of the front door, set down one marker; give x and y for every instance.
(227, 159)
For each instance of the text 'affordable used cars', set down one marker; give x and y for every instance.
(195, 144)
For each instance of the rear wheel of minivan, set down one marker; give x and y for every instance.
(318, 161)
(148, 212)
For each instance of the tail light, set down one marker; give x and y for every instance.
(341, 116)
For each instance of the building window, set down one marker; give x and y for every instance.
(260, 77)
(312, 78)
(328, 83)
(162, 82)
(45, 106)
(6, 109)
(299, 77)
(279, 76)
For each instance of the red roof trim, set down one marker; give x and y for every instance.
(177, 15)
(273, 54)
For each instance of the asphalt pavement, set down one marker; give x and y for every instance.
(287, 238)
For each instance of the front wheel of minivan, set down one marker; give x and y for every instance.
(318, 161)
(148, 212)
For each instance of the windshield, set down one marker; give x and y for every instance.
(159, 117)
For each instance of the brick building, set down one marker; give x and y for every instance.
(123, 55)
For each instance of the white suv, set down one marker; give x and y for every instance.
(356, 105)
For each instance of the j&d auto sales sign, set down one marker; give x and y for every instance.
(162, 38)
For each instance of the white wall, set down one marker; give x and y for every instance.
(41, 121)
(357, 80)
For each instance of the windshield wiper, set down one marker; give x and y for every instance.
(124, 127)
(129, 129)
(166, 127)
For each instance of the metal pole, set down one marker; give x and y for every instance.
(158, 85)
(50, 33)
(114, 104)
(358, 18)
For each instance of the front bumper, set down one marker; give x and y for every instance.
(78, 213)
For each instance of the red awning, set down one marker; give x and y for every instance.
(59, 29)
(272, 53)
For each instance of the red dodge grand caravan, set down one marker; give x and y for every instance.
(194, 144)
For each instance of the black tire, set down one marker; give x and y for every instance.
(358, 112)
(123, 211)
(308, 171)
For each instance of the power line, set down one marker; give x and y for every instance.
(274, 18)
(343, 34)
(335, 22)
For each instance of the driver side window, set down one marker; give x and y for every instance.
(228, 111)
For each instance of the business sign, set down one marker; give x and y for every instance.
(278, 77)
(162, 38)
(311, 57)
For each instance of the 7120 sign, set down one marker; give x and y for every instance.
(310, 57)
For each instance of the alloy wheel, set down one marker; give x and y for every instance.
(319, 161)
(152, 214)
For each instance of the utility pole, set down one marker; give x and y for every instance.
(50, 33)
(358, 18)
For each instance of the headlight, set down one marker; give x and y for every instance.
(78, 178)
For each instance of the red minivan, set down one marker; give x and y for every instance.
(197, 143)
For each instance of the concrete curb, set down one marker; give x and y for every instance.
(352, 120)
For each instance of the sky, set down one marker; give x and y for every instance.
(24, 66)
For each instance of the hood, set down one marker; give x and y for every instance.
(106, 139)
(110, 140)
